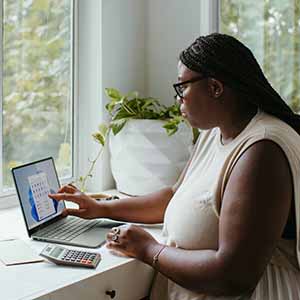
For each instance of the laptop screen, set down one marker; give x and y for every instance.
(34, 182)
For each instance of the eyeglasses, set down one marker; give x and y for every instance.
(180, 86)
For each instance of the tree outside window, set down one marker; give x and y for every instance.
(271, 29)
(37, 83)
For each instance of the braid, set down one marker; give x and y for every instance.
(225, 58)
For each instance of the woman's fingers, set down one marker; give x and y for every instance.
(64, 212)
(74, 186)
(109, 236)
(67, 189)
(65, 196)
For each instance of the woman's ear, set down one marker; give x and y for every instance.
(216, 88)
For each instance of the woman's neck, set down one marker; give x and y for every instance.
(235, 123)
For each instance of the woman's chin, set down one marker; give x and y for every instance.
(198, 124)
(194, 123)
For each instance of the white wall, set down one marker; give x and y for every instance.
(171, 26)
(123, 44)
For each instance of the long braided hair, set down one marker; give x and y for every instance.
(223, 57)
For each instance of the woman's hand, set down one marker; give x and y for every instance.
(133, 241)
(88, 208)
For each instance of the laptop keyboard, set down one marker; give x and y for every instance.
(67, 229)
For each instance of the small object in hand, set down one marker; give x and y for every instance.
(116, 231)
(115, 238)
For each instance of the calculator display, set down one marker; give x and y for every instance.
(56, 252)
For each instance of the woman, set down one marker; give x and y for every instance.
(230, 221)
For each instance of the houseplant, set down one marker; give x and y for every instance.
(139, 126)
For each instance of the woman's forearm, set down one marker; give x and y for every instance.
(144, 209)
(200, 271)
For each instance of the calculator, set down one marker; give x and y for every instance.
(64, 256)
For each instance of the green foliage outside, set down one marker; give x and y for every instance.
(37, 83)
(271, 29)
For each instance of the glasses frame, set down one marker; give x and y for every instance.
(178, 84)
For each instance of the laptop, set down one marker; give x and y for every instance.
(43, 215)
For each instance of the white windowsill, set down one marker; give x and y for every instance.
(43, 279)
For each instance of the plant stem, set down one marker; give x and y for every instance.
(93, 162)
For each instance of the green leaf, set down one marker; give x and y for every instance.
(122, 114)
(99, 138)
(113, 103)
(172, 131)
(103, 128)
(117, 127)
(151, 115)
(169, 125)
(113, 93)
(110, 107)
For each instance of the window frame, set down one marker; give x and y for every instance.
(1, 91)
(209, 16)
(9, 199)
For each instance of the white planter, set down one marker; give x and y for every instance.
(145, 159)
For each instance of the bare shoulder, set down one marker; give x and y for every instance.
(255, 209)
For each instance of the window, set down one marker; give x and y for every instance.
(37, 85)
(271, 29)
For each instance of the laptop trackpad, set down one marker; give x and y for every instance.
(96, 236)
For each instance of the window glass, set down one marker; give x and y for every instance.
(271, 29)
(37, 84)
